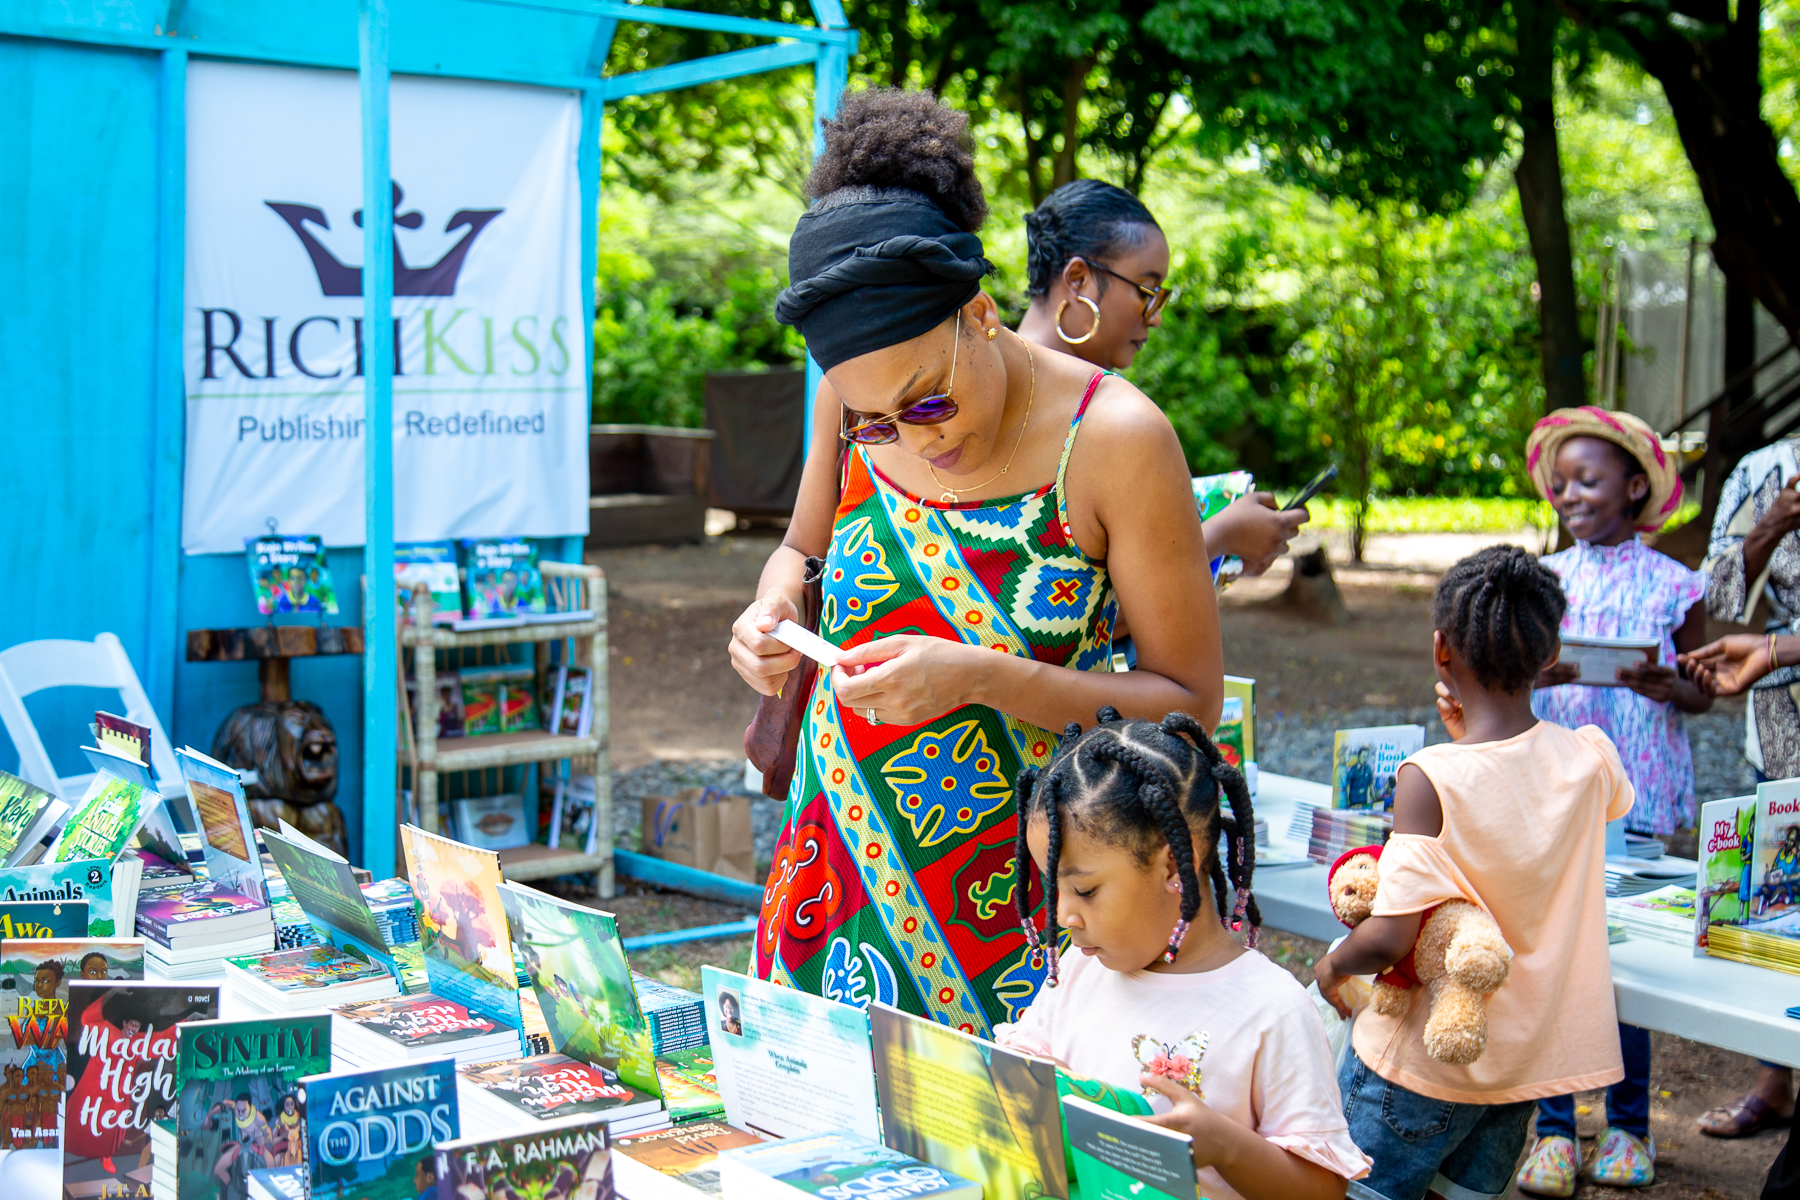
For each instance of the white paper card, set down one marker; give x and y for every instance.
(808, 643)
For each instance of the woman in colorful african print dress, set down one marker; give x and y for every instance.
(985, 514)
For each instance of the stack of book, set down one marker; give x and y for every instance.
(797, 1166)
(405, 1029)
(1331, 831)
(1770, 950)
(396, 912)
(675, 1164)
(1664, 915)
(677, 1016)
(1636, 876)
(190, 931)
(305, 978)
(550, 1091)
(293, 928)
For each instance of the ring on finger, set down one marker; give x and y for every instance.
(870, 717)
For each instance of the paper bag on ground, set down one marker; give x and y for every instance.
(701, 827)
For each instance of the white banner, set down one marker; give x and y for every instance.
(490, 397)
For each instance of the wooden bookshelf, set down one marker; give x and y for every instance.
(585, 589)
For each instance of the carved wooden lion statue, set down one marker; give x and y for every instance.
(293, 750)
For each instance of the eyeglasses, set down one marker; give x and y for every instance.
(1154, 297)
(928, 410)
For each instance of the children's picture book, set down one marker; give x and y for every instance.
(223, 819)
(572, 823)
(1243, 736)
(44, 919)
(109, 888)
(289, 574)
(968, 1106)
(1116, 1157)
(552, 1087)
(450, 719)
(434, 565)
(498, 700)
(1212, 494)
(309, 969)
(324, 885)
(788, 1063)
(240, 1105)
(370, 1134)
(493, 822)
(573, 1161)
(1775, 900)
(502, 578)
(34, 998)
(690, 1085)
(574, 712)
(1364, 762)
(669, 1162)
(836, 1166)
(1228, 736)
(1726, 835)
(121, 1049)
(23, 808)
(463, 934)
(104, 821)
(126, 737)
(576, 963)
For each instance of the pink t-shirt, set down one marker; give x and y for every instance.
(1524, 837)
(1267, 1065)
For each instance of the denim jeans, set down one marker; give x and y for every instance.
(1627, 1101)
(1421, 1145)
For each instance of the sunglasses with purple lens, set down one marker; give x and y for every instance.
(928, 410)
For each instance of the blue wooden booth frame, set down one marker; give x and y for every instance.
(93, 115)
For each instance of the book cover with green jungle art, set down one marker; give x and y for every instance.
(969, 1106)
(19, 805)
(103, 823)
(240, 1105)
(325, 888)
(462, 925)
(576, 963)
(1726, 834)
(34, 995)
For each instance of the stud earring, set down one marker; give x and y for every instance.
(992, 334)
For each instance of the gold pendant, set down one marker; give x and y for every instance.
(947, 498)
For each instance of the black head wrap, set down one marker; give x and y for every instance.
(873, 267)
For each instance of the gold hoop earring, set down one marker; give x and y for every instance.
(1092, 330)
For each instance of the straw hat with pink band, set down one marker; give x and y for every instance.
(1621, 429)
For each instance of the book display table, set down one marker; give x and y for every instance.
(1721, 1003)
(585, 589)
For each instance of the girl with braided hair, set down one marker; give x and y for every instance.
(1510, 816)
(1124, 825)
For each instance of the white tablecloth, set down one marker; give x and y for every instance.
(1658, 986)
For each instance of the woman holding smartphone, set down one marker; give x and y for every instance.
(1098, 267)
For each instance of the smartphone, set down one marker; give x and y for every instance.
(1312, 489)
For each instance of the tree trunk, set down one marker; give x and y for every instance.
(1540, 184)
(1075, 75)
(1715, 91)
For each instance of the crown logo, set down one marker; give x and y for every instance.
(336, 279)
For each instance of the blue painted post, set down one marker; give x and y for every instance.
(167, 417)
(831, 74)
(380, 685)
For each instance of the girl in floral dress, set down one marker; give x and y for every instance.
(1609, 480)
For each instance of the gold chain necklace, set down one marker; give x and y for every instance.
(952, 495)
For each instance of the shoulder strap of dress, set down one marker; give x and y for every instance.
(1062, 466)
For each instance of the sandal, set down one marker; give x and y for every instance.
(1742, 1117)
(1553, 1167)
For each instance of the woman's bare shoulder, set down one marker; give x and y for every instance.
(1122, 421)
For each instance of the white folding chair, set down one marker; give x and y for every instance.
(57, 662)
